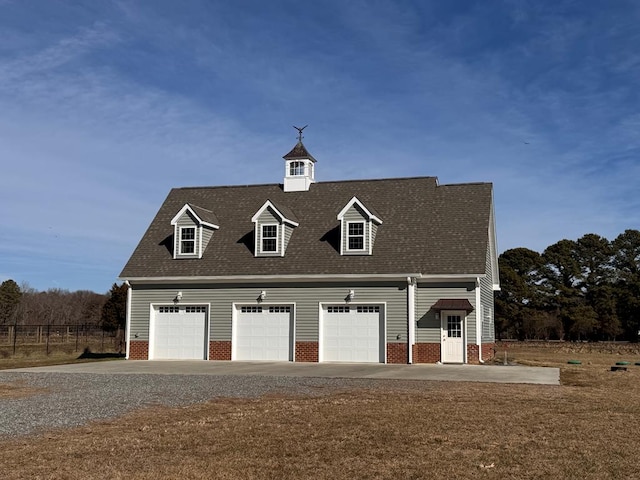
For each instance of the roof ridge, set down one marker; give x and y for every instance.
(354, 180)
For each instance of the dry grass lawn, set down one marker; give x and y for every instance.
(587, 428)
(36, 355)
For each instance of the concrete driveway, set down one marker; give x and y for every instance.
(459, 373)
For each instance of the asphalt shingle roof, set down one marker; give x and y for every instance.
(427, 228)
(299, 152)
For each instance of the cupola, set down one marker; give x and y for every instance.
(299, 171)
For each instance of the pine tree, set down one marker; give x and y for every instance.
(10, 296)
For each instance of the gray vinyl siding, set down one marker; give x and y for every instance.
(288, 231)
(427, 295)
(207, 233)
(269, 218)
(486, 298)
(374, 230)
(355, 214)
(305, 296)
(186, 220)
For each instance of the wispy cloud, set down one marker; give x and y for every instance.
(112, 104)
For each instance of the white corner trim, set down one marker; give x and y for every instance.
(127, 330)
(411, 317)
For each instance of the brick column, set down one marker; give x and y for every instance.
(220, 350)
(138, 350)
(306, 352)
(397, 353)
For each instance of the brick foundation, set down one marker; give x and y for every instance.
(397, 353)
(138, 350)
(306, 351)
(488, 353)
(220, 350)
(426, 353)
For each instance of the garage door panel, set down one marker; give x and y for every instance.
(180, 333)
(263, 333)
(353, 333)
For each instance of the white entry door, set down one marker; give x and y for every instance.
(352, 333)
(453, 337)
(179, 333)
(263, 332)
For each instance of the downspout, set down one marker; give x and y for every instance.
(411, 314)
(127, 334)
(479, 315)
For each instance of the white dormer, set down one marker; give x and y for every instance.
(193, 228)
(273, 229)
(358, 228)
(299, 171)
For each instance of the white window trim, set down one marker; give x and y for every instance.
(364, 248)
(196, 235)
(277, 238)
(297, 166)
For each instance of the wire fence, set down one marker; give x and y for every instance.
(14, 338)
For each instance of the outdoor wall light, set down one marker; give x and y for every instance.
(350, 295)
(178, 296)
(262, 296)
(437, 315)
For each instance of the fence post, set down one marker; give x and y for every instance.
(15, 338)
(76, 337)
(48, 332)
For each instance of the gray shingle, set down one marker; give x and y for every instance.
(427, 229)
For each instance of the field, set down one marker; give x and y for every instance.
(36, 354)
(587, 428)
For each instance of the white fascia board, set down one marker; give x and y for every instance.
(350, 204)
(272, 278)
(188, 208)
(207, 224)
(470, 277)
(268, 204)
(305, 278)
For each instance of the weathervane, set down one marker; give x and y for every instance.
(300, 137)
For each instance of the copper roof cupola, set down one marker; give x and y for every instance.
(299, 171)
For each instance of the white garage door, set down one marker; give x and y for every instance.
(353, 333)
(180, 333)
(263, 333)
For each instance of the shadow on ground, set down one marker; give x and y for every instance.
(88, 354)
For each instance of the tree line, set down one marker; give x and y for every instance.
(23, 305)
(585, 289)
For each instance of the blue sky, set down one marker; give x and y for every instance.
(105, 106)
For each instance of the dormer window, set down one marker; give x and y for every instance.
(273, 229)
(358, 227)
(355, 236)
(187, 240)
(193, 227)
(269, 238)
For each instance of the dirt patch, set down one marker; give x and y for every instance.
(18, 390)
